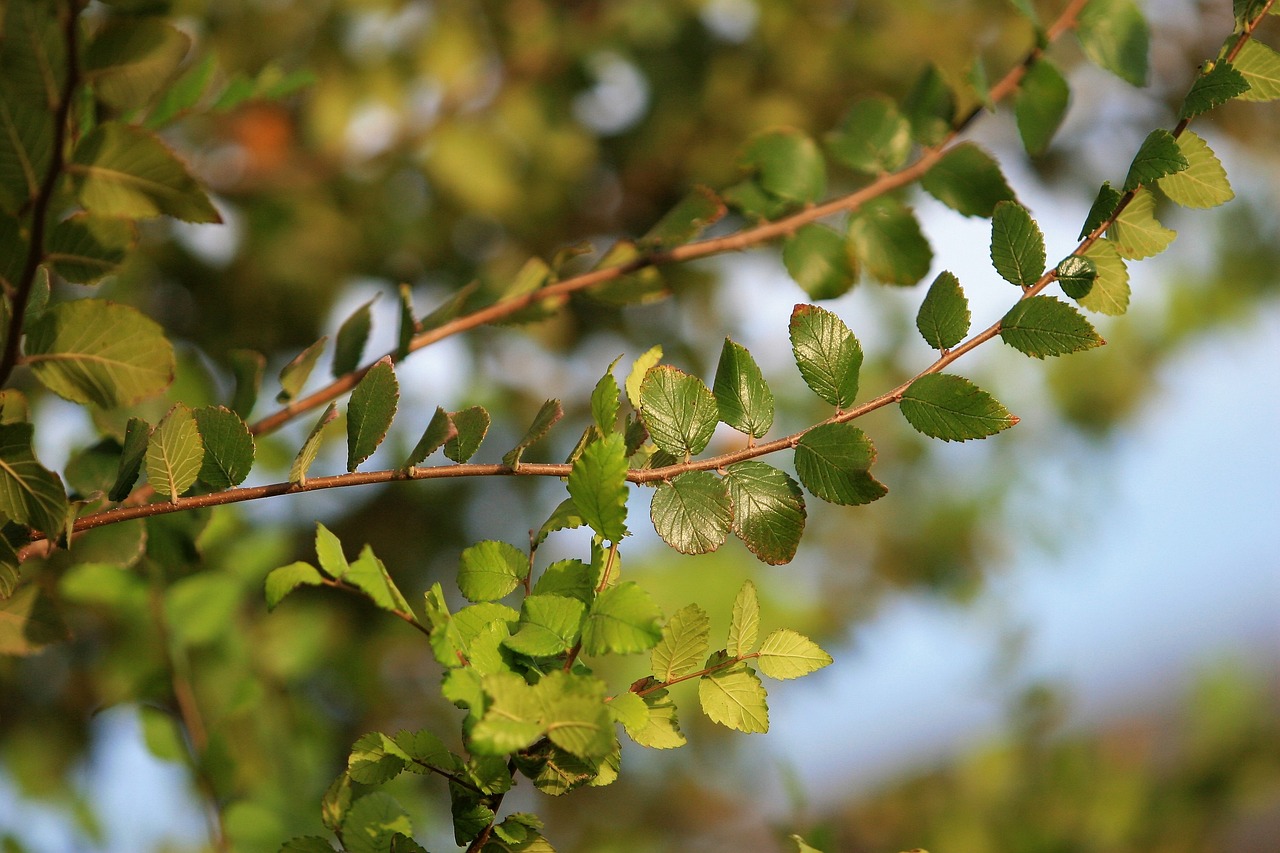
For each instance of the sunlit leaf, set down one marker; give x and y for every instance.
(1136, 232)
(175, 453)
(744, 625)
(623, 620)
(490, 570)
(788, 654)
(294, 375)
(679, 410)
(284, 580)
(1158, 156)
(1203, 183)
(1260, 67)
(735, 698)
(1017, 246)
(826, 352)
(787, 164)
(833, 462)
(1042, 326)
(549, 625)
(1110, 291)
(743, 398)
(307, 453)
(692, 512)
(684, 643)
(598, 486)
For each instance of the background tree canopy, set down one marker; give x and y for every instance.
(362, 153)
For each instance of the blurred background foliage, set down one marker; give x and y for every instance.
(444, 143)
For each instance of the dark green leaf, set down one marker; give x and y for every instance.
(472, 425)
(490, 570)
(1203, 183)
(310, 447)
(952, 408)
(370, 411)
(130, 60)
(307, 844)
(85, 248)
(623, 620)
(1136, 232)
(887, 241)
(1039, 105)
(1260, 67)
(1218, 83)
(930, 107)
(833, 462)
(735, 698)
(787, 164)
(1017, 246)
(820, 261)
(872, 137)
(743, 398)
(228, 447)
(348, 347)
(679, 410)
(827, 353)
(943, 318)
(294, 375)
(598, 486)
(1104, 205)
(248, 367)
(1114, 35)
(698, 210)
(768, 510)
(137, 434)
(1110, 291)
(122, 170)
(547, 417)
(1158, 156)
(408, 326)
(284, 580)
(968, 181)
(1042, 326)
(92, 351)
(1076, 275)
(29, 493)
(692, 512)
(439, 430)
(175, 453)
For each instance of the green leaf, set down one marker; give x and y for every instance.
(643, 285)
(29, 493)
(576, 717)
(598, 486)
(1113, 34)
(184, 93)
(968, 181)
(175, 453)
(408, 327)
(662, 730)
(1218, 83)
(820, 261)
(307, 844)
(692, 512)
(801, 846)
(604, 402)
(1104, 205)
(472, 425)
(569, 578)
(137, 434)
(376, 759)
(370, 411)
(548, 625)
(768, 510)
(1042, 326)
(623, 620)
(83, 248)
(1039, 105)
(284, 580)
(490, 570)
(372, 822)
(679, 410)
(684, 643)
(833, 462)
(828, 355)
(122, 170)
(754, 202)
(697, 211)
(887, 240)
(294, 375)
(91, 351)
(1203, 183)
(943, 318)
(513, 719)
(1076, 275)
(310, 447)
(735, 698)
(930, 107)
(1158, 156)
(1260, 67)
(1017, 246)
(248, 367)
(786, 654)
(228, 447)
(1110, 292)
(639, 368)
(952, 408)
(29, 621)
(547, 417)
(368, 574)
(1136, 232)
(439, 430)
(9, 569)
(743, 398)
(744, 625)
(1027, 10)
(353, 334)
(130, 60)
(872, 137)
(425, 750)
(787, 164)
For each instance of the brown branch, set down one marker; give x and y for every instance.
(44, 197)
